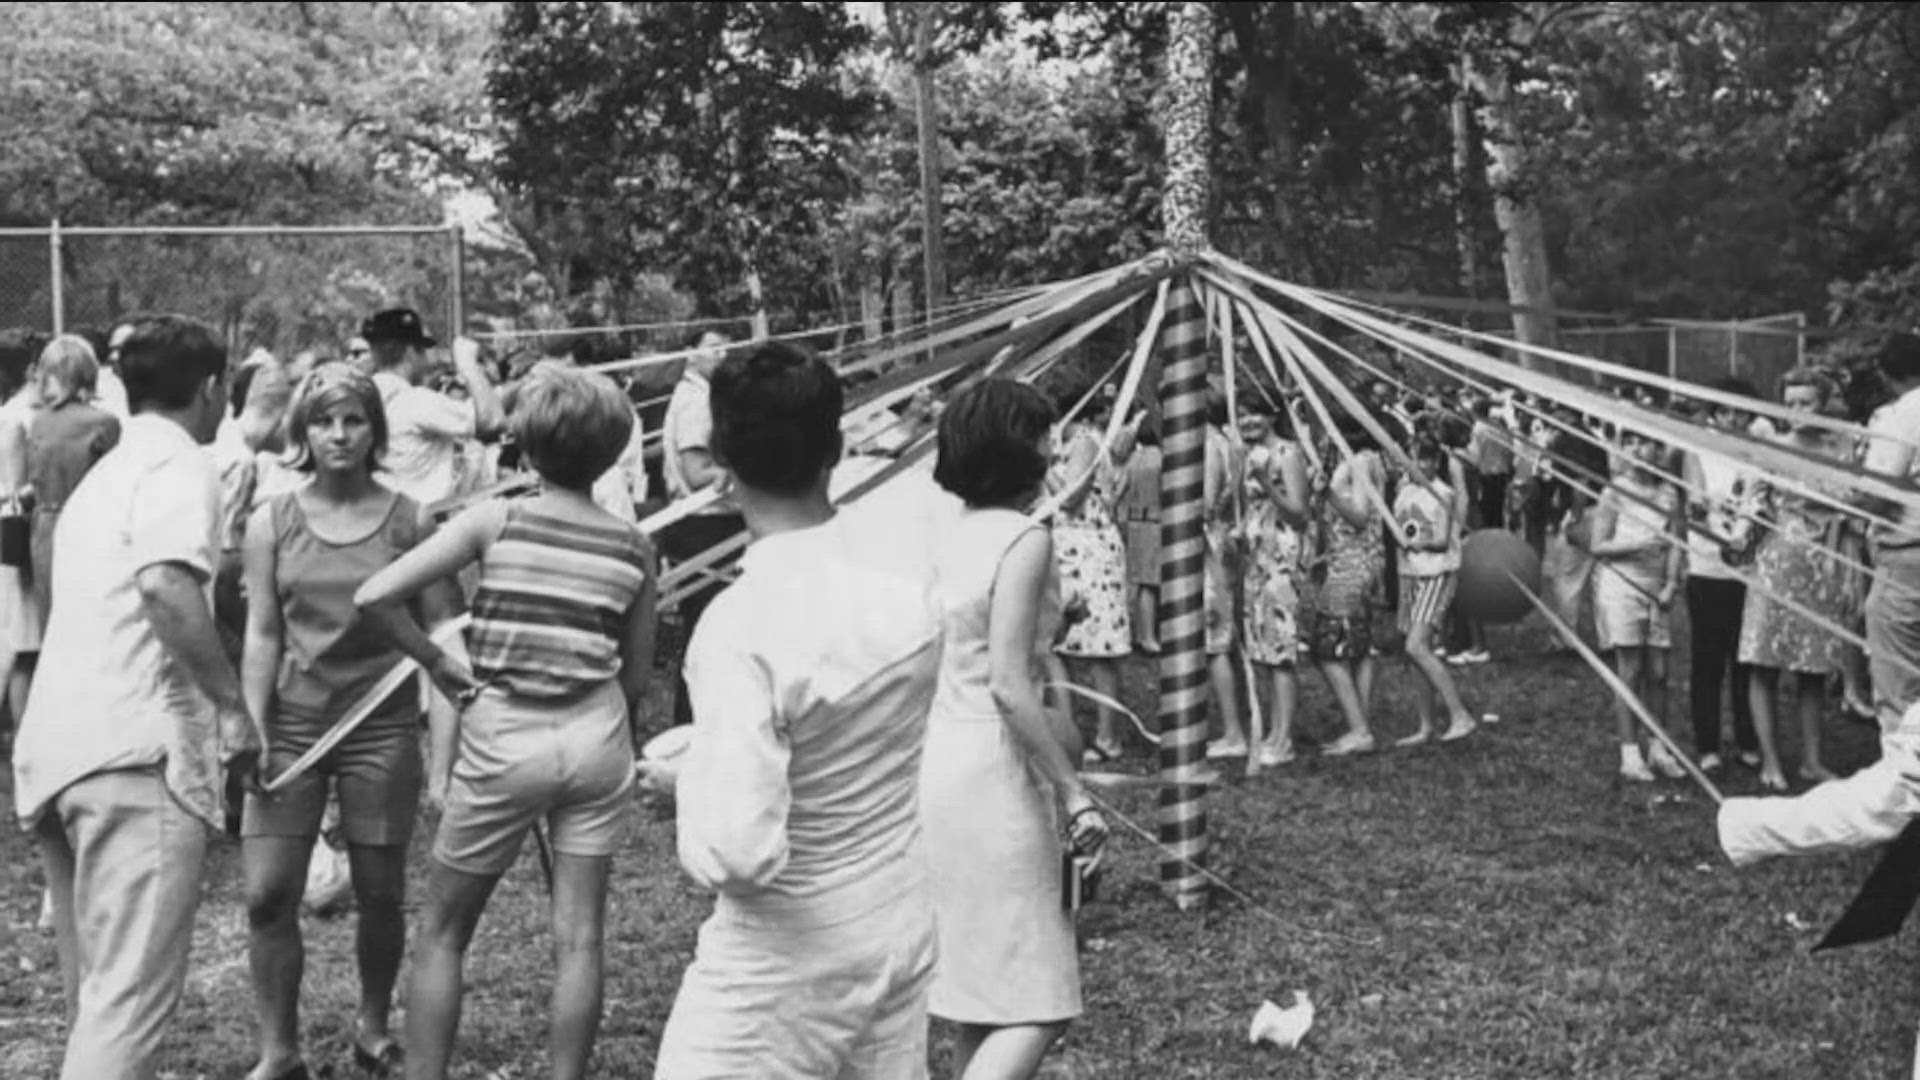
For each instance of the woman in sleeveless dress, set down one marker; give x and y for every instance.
(67, 436)
(1093, 571)
(1276, 550)
(998, 786)
(308, 658)
(1794, 559)
(19, 615)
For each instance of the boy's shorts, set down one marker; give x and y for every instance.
(1425, 600)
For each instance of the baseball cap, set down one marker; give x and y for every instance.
(397, 324)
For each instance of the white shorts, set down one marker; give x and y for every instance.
(841, 998)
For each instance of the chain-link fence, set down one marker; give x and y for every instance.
(280, 288)
(1758, 350)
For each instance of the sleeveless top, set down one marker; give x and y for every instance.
(62, 444)
(329, 655)
(551, 606)
(967, 559)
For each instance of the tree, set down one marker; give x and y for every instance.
(705, 140)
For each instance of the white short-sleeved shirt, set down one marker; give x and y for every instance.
(810, 679)
(1720, 482)
(426, 431)
(688, 426)
(1892, 437)
(110, 394)
(106, 695)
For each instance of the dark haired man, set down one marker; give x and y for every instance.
(118, 767)
(810, 679)
(427, 431)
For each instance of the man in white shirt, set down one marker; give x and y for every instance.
(811, 677)
(117, 770)
(427, 431)
(687, 464)
(1893, 604)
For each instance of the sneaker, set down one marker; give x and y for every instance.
(1461, 659)
(1477, 656)
(1270, 756)
(1634, 767)
(1225, 749)
(1662, 759)
(1750, 758)
(1711, 763)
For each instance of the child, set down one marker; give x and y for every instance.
(1635, 580)
(562, 642)
(1426, 527)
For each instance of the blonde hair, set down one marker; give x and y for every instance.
(324, 387)
(68, 371)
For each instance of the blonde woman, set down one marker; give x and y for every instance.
(68, 434)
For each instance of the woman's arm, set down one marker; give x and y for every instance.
(1606, 519)
(384, 598)
(1082, 461)
(1012, 623)
(264, 646)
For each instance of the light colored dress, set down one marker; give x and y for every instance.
(1275, 553)
(993, 836)
(1091, 560)
(1795, 559)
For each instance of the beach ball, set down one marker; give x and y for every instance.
(1490, 560)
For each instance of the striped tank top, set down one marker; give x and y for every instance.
(552, 602)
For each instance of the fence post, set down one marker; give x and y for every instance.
(1673, 352)
(57, 270)
(1733, 351)
(457, 283)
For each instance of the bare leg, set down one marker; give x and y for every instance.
(1227, 695)
(1011, 1053)
(579, 921)
(1364, 678)
(1286, 699)
(1146, 618)
(1104, 678)
(454, 903)
(1440, 683)
(273, 872)
(1629, 662)
(380, 936)
(1811, 701)
(1763, 689)
(1352, 709)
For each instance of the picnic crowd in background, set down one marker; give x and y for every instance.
(207, 566)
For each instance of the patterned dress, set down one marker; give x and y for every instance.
(1347, 583)
(1275, 553)
(1091, 560)
(1794, 560)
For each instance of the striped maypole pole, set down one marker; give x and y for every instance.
(1183, 405)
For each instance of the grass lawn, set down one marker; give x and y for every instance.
(1501, 907)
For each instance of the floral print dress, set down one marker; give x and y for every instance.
(1091, 560)
(1275, 553)
(1794, 559)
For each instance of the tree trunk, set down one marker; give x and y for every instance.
(757, 296)
(1516, 206)
(873, 306)
(927, 118)
(1462, 117)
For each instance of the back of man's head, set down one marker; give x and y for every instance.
(1900, 358)
(776, 417)
(165, 360)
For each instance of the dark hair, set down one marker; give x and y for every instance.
(1355, 433)
(1899, 357)
(1216, 408)
(572, 425)
(988, 433)
(238, 386)
(19, 348)
(776, 416)
(98, 337)
(167, 358)
(1430, 452)
(1148, 433)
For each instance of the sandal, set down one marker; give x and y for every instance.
(387, 1059)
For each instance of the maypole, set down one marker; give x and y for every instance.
(1183, 404)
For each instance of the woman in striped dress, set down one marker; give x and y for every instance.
(561, 644)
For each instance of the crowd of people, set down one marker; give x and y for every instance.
(215, 565)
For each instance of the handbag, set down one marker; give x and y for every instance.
(16, 534)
